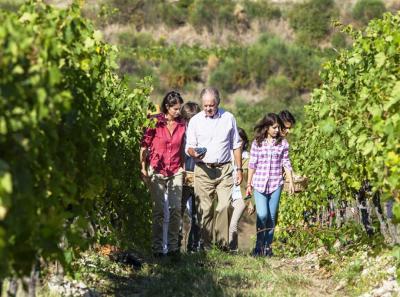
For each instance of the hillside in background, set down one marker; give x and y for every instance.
(75, 217)
(265, 55)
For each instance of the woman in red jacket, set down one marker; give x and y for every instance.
(161, 157)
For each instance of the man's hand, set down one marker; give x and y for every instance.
(200, 157)
(239, 177)
(194, 154)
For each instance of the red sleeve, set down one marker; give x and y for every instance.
(148, 137)
(149, 133)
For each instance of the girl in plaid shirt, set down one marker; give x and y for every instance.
(269, 155)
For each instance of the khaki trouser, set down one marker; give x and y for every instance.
(172, 185)
(208, 182)
(238, 209)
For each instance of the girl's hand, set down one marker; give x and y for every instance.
(249, 190)
(250, 208)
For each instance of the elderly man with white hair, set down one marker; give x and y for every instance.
(211, 136)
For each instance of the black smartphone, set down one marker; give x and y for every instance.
(200, 150)
(247, 197)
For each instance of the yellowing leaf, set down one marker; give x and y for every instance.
(85, 64)
(392, 159)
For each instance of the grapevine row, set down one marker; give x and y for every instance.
(348, 145)
(69, 130)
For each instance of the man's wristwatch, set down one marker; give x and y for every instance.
(239, 169)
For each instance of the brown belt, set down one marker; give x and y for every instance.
(215, 165)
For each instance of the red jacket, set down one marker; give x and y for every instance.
(165, 150)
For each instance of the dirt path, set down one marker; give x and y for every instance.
(214, 274)
(220, 274)
(321, 282)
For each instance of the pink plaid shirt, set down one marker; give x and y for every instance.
(268, 161)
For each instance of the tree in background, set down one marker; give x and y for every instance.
(311, 20)
(366, 10)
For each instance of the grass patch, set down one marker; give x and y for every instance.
(212, 274)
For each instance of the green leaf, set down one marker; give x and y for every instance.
(18, 70)
(355, 59)
(89, 42)
(3, 126)
(380, 59)
(396, 211)
(394, 96)
(98, 35)
(28, 17)
(375, 110)
(6, 183)
(368, 148)
(68, 256)
(54, 75)
(324, 110)
(362, 139)
(328, 126)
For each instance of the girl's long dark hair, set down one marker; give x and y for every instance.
(244, 138)
(262, 127)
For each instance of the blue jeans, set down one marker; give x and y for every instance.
(267, 209)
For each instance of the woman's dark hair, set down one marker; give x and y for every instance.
(244, 138)
(189, 109)
(262, 127)
(286, 116)
(171, 98)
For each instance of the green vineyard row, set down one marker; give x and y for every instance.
(350, 134)
(69, 130)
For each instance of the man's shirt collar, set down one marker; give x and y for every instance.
(216, 115)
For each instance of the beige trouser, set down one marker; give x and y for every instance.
(238, 208)
(208, 182)
(172, 185)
